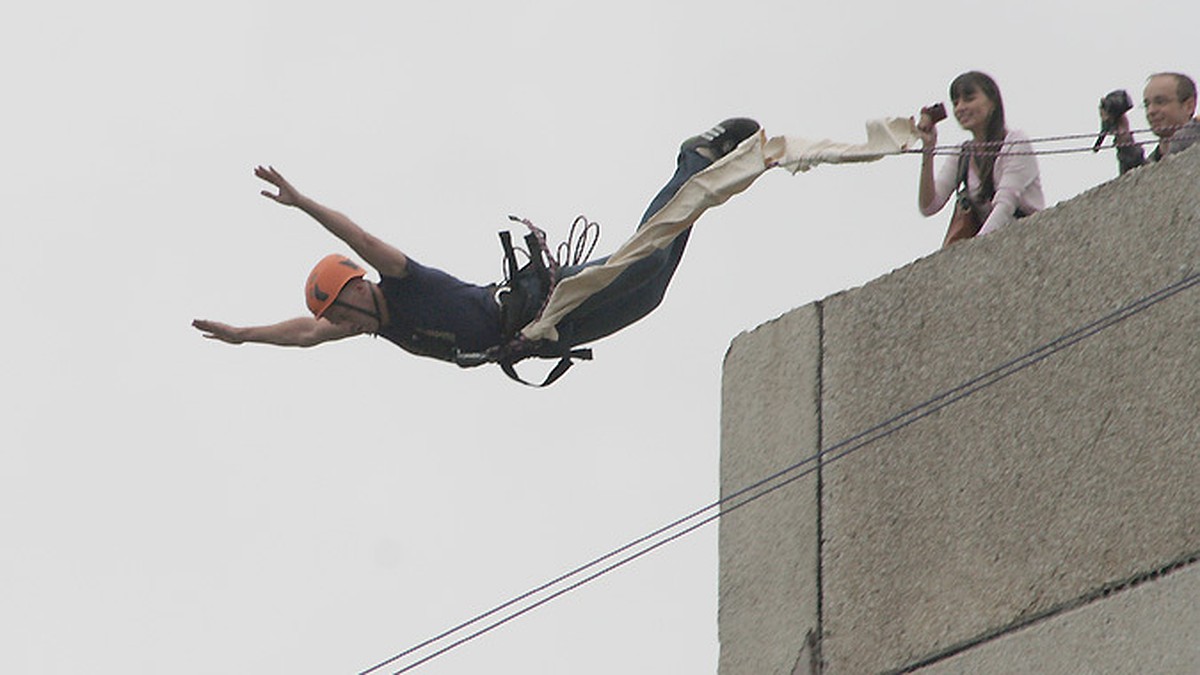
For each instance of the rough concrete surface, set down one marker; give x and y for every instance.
(1076, 472)
(768, 559)
(1152, 628)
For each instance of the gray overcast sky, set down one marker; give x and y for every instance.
(171, 504)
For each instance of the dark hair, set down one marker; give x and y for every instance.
(971, 82)
(1185, 87)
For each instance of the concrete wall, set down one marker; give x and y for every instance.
(1023, 521)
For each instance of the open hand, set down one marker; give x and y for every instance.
(215, 330)
(288, 196)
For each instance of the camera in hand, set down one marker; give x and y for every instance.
(1113, 105)
(1116, 103)
(936, 112)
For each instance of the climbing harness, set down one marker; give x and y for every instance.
(524, 295)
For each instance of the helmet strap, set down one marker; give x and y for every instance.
(375, 314)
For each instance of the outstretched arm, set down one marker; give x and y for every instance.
(303, 331)
(385, 258)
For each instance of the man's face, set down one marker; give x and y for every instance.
(354, 307)
(1164, 111)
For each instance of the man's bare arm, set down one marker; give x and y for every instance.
(303, 331)
(385, 258)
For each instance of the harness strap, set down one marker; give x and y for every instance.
(564, 364)
(510, 257)
(522, 299)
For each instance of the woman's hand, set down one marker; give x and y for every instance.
(1119, 127)
(927, 130)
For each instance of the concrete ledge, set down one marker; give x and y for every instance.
(1066, 477)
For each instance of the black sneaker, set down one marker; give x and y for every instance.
(724, 137)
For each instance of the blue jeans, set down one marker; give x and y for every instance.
(639, 288)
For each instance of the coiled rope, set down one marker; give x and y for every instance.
(576, 249)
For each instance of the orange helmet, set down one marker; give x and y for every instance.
(328, 279)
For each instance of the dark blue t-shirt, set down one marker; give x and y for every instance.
(432, 313)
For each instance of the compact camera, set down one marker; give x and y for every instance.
(936, 112)
(1113, 105)
(1116, 103)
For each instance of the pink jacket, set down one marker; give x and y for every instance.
(1016, 177)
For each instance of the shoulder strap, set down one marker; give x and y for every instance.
(964, 158)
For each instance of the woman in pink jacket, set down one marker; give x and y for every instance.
(996, 175)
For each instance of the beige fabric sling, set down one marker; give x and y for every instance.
(727, 177)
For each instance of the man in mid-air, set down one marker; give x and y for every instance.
(431, 313)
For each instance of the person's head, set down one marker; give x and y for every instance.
(336, 291)
(978, 106)
(1170, 101)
